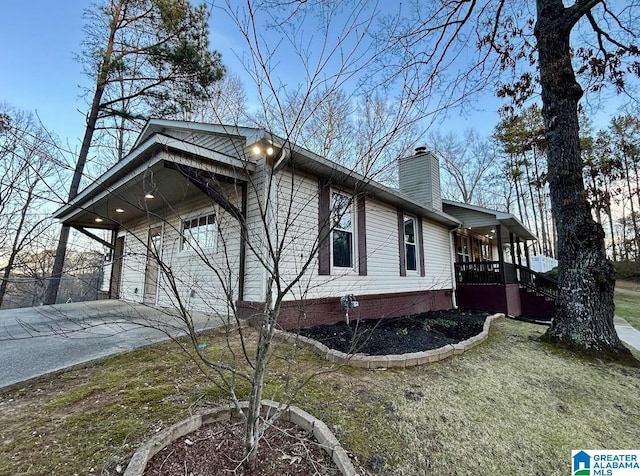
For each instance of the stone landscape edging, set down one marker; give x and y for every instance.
(321, 432)
(393, 360)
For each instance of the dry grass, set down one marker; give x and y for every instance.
(515, 406)
(627, 299)
(510, 406)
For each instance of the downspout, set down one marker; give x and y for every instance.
(114, 238)
(452, 255)
(243, 242)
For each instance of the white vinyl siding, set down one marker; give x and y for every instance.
(256, 255)
(199, 278)
(295, 228)
(134, 262)
(383, 259)
(223, 144)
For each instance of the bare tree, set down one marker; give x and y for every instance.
(552, 38)
(468, 162)
(362, 131)
(27, 179)
(284, 243)
(271, 202)
(224, 102)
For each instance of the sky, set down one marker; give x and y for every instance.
(39, 72)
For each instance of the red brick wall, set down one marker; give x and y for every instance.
(313, 312)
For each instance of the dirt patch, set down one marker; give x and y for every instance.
(217, 449)
(416, 333)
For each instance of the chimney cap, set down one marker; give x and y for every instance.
(421, 150)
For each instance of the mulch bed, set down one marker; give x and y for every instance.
(217, 448)
(416, 333)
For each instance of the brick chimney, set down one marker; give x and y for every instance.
(419, 178)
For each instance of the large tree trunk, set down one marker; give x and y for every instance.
(586, 278)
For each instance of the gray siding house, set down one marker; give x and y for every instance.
(203, 216)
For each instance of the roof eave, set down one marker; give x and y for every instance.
(127, 166)
(341, 175)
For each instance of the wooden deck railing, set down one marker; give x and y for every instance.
(493, 272)
(480, 272)
(537, 282)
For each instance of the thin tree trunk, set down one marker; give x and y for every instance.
(253, 430)
(636, 194)
(18, 243)
(586, 279)
(623, 221)
(532, 200)
(607, 195)
(634, 222)
(541, 205)
(51, 293)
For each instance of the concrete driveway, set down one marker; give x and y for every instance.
(39, 340)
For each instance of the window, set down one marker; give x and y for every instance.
(462, 248)
(199, 233)
(342, 230)
(411, 257)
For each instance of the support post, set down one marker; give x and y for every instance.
(500, 253)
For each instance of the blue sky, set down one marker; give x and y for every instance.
(38, 71)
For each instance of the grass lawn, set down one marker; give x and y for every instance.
(509, 406)
(627, 299)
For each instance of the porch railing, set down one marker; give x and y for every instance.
(538, 282)
(479, 272)
(491, 272)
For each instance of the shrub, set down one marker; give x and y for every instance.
(627, 270)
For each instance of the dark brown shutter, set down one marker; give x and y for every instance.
(324, 228)
(420, 246)
(403, 264)
(362, 235)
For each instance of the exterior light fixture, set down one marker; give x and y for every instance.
(119, 210)
(98, 220)
(256, 150)
(493, 231)
(270, 151)
(149, 195)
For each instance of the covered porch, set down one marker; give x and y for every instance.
(492, 266)
(153, 189)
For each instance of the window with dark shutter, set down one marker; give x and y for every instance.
(410, 244)
(342, 230)
(410, 248)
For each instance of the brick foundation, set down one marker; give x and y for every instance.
(313, 312)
